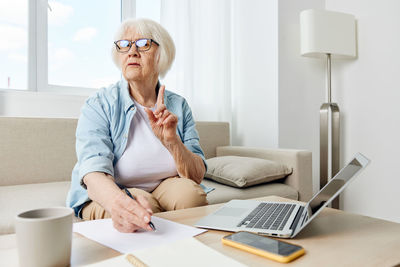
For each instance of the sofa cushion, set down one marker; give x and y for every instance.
(244, 171)
(224, 193)
(15, 199)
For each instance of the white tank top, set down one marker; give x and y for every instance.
(145, 161)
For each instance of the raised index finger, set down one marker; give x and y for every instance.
(160, 97)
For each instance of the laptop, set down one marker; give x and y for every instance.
(281, 219)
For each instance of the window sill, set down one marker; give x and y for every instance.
(52, 90)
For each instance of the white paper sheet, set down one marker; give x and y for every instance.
(103, 232)
(183, 253)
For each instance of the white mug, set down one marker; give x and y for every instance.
(44, 237)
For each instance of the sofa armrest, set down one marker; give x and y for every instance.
(299, 160)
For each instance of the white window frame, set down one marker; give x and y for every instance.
(38, 49)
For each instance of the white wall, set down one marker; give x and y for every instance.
(255, 73)
(301, 85)
(368, 92)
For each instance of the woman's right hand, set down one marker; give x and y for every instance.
(130, 215)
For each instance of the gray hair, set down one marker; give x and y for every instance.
(148, 29)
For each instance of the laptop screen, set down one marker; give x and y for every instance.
(337, 183)
(332, 189)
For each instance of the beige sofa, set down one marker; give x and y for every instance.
(37, 156)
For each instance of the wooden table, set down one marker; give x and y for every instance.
(334, 238)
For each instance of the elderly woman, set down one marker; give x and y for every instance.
(136, 138)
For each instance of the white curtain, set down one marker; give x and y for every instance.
(201, 72)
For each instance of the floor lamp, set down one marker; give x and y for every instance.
(328, 34)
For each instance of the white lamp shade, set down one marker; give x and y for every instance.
(327, 32)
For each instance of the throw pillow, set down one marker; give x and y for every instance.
(244, 171)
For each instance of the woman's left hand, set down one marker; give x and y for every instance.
(162, 121)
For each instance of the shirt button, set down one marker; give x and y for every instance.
(126, 136)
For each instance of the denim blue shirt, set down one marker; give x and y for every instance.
(102, 134)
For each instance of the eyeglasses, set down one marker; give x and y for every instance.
(143, 44)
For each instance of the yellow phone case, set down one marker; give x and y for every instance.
(263, 253)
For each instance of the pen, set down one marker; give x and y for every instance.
(130, 195)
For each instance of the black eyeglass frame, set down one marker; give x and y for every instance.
(131, 43)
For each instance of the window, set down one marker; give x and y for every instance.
(14, 44)
(80, 36)
(63, 45)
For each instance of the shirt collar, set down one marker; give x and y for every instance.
(126, 97)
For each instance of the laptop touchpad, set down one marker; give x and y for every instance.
(229, 211)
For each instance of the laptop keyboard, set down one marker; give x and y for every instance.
(272, 216)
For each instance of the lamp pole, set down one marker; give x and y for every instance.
(329, 136)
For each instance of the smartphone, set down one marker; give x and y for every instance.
(264, 246)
